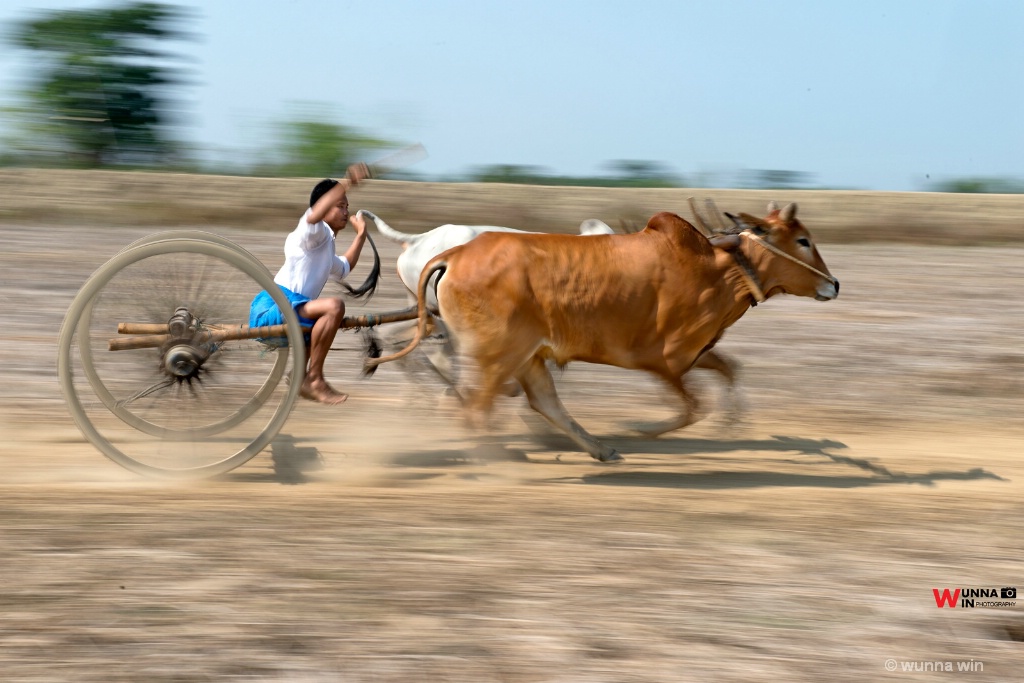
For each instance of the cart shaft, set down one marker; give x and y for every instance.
(155, 335)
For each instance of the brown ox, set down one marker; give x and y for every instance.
(655, 300)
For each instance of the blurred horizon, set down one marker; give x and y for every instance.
(921, 96)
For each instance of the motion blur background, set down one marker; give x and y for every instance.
(879, 457)
(916, 95)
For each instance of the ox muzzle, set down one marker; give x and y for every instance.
(827, 290)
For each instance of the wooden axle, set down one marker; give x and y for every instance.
(155, 335)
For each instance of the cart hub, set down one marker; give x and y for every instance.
(183, 361)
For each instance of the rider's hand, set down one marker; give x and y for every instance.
(358, 222)
(357, 173)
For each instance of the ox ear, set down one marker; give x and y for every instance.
(772, 207)
(747, 222)
(788, 213)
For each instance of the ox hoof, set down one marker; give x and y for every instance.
(610, 456)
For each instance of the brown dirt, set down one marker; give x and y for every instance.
(881, 458)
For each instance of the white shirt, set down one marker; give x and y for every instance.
(309, 259)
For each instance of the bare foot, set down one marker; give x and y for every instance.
(321, 392)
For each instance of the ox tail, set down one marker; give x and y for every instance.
(435, 265)
(392, 234)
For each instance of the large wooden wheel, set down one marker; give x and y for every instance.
(125, 412)
(187, 402)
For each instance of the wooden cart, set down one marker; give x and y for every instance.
(157, 369)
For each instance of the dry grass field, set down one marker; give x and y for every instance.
(163, 199)
(881, 457)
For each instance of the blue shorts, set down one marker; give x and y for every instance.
(263, 311)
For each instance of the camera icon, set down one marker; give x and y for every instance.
(1008, 592)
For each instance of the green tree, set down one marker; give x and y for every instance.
(97, 98)
(776, 179)
(641, 173)
(625, 174)
(308, 144)
(518, 174)
(982, 185)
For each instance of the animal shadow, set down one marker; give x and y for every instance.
(873, 474)
(489, 450)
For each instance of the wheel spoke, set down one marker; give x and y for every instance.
(189, 394)
(145, 392)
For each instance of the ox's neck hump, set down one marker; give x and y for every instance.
(681, 233)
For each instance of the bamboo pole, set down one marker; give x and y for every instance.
(154, 335)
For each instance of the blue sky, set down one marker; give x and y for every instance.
(876, 95)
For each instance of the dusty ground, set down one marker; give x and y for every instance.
(881, 458)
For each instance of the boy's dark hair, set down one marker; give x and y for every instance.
(322, 188)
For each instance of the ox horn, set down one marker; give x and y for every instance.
(737, 221)
(712, 208)
(699, 219)
(788, 213)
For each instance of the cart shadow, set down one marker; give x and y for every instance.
(290, 463)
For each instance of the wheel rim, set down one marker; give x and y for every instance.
(111, 403)
(188, 436)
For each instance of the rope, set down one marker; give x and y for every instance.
(749, 277)
(775, 250)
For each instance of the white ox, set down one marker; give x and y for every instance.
(418, 249)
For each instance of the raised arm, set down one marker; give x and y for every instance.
(355, 174)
